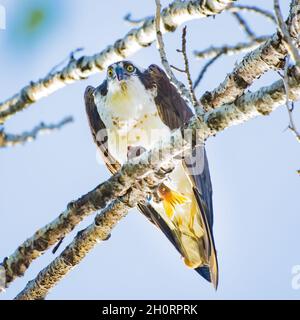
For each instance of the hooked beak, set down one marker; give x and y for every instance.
(120, 73)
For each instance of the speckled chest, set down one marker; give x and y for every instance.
(131, 117)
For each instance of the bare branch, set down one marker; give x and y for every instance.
(141, 171)
(294, 53)
(163, 56)
(68, 60)
(172, 16)
(252, 9)
(269, 55)
(244, 25)
(9, 140)
(292, 125)
(177, 69)
(134, 22)
(83, 243)
(288, 41)
(240, 47)
(188, 74)
(204, 69)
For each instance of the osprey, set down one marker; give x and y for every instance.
(133, 109)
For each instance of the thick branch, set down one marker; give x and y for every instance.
(145, 170)
(82, 244)
(262, 102)
(8, 140)
(77, 69)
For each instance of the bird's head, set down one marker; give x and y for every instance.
(120, 72)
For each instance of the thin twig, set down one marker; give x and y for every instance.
(241, 47)
(253, 9)
(161, 48)
(204, 69)
(134, 22)
(187, 71)
(177, 69)
(66, 61)
(244, 25)
(289, 108)
(9, 140)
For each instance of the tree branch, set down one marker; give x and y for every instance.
(269, 55)
(195, 102)
(205, 68)
(288, 41)
(163, 56)
(141, 171)
(172, 16)
(83, 243)
(134, 22)
(252, 9)
(292, 125)
(244, 25)
(261, 102)
(240, 47)
(9, 140)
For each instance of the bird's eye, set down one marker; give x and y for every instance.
(130, 68)
(110, 72)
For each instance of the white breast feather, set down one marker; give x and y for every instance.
(130, 117)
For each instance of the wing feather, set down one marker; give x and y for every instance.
(98, 129)
(174, 112)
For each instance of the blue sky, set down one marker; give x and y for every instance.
(253, 166)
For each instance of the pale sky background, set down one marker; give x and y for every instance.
(253, 166)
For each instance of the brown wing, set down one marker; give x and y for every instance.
(172, 108)
(174, 112)
(98, 129)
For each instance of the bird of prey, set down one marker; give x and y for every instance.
(132, 109)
